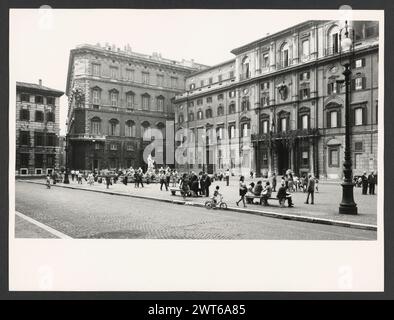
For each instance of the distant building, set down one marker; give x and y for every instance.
(115, 97)
(37, 128)
(277, 104)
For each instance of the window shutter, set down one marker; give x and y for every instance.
(364, 116)
(363, 62)
(339, 118)
(364, 82)
(353, 84)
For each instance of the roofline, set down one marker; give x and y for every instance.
(54, 91)
(210, 68)
(243, 48)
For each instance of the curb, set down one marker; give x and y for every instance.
(269, 214)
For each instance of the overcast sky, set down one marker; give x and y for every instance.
(41, 40)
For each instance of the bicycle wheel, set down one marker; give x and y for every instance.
(208, 205)
(223, 205)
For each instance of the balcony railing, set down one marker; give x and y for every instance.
(283, 64)
(86, 137)
(331, 50)
(244, 76)
(299, 133)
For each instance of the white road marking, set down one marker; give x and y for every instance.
(43, 226)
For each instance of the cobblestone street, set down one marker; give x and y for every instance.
(82, 214)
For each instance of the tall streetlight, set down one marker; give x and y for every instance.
(347, 206)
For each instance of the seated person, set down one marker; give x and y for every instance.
(282, 195)
(258, 189)
(250, 193)
(267, 192)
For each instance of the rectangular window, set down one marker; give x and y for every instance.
(51, 139)
(358, 83)
(219, 78)
(145, 77)
(358, 116)
(114, 146)
(357, 161)
(96, 97)
(266, 60)
(51, 101)
(232, 94)
(304, 93)
(97, 146)
(192, 86)
(96, 69)
(210, 80)
(38, 161)
(129, 75)
(335, 44)
(160, 104)
(39, 99)
(160, 80)
(285, 58)
(333, 155)
(145, 102)
(305, 121)
(220, 96)
(283, 124)
(24, 159)
(38, 138)
(130, 100)
(359, 63)
(265, 126)
(199, 102)
(209, 99)
(231, 74)
(305, 158)
(358, 146)
(24, 138)
(305, 49)
(24, 115)
(114, 72)
(245, 130)
(96, 127)
(174, 82)
(25, 97)
(231, 131)
(114, 99)
(333, 119)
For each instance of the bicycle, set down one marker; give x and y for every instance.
(210, 204)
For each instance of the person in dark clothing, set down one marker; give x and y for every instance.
(243, 189)
(107, 180)
(194, 186)
(310, 189)
(282, 195)
(202, 185)
(371, 183)
(207, 185)
(364, 183)
(267, 192)
(274, 182)
(125, 180)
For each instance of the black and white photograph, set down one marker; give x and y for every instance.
(194, 137)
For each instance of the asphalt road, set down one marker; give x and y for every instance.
(84, 214)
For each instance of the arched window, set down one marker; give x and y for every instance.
(333, 40)
(95, 126)
(191, 116)
(145, 130)
(220, 110)
(208, 113)
(304, 118)
(113, 127)
(181, 118)
(232, 108)
(130, 128)
(284, 55)
(199, 115)
(245, 68)
(130, 99)
(161, 126)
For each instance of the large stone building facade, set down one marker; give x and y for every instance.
(37, 129)
(116, 98)
(277, 105)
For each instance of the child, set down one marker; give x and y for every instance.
(48, 182)
(216, 195)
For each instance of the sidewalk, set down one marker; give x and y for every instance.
(325, 209)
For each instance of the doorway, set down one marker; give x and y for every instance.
(283, 158)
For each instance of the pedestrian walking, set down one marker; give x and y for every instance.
(242, 191)
(48, 181)
(163, 180)
(372, 183)
(274, 181)
(364, 182)
(107, 180)
(207, 184)
(227, 177)
(72, 175)
(202, 184)
(310, 189)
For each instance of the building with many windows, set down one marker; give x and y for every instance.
(278, 105)
(116, 97)
(37, 129)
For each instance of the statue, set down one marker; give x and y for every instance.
(151, 164)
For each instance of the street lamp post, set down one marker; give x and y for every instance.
(66, 180)
(347, 205)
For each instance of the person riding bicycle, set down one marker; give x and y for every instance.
(216, 195)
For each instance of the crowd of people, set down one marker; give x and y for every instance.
(368, 182)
